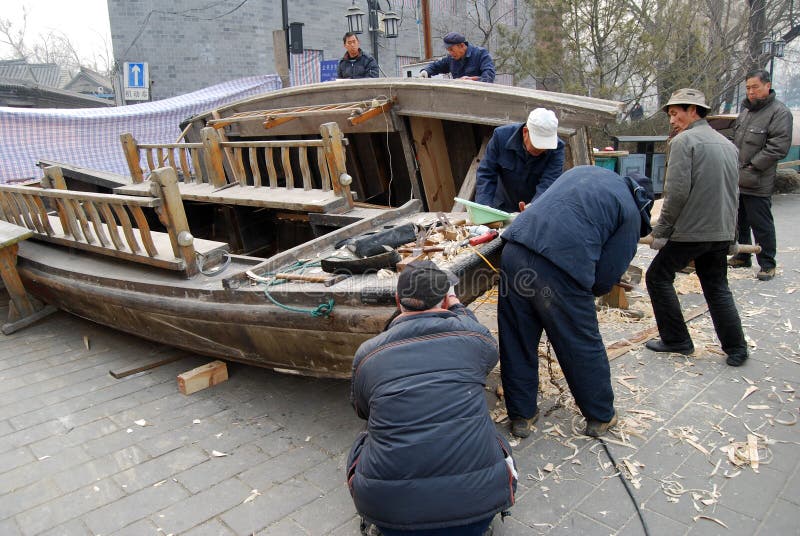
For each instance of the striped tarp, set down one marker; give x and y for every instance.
(305, 67)
(89, 137)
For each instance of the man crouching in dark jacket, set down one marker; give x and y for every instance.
(431, 458)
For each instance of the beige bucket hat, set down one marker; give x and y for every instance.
(687, 95)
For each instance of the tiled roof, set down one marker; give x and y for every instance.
(42, 74)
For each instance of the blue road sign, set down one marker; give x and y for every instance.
(327, 70)
(135, 74)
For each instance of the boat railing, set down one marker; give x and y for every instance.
(109, 224)
(278, 171)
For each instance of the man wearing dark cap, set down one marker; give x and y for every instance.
(697, 221)
(463, 61)
(571, 244)
(430, 459)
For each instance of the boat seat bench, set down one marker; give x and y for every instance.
(292, 175)
(109, 224)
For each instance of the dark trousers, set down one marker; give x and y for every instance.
(755, 213)
(536, 295)
(712, 270)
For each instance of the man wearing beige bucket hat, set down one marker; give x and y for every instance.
(697, 221)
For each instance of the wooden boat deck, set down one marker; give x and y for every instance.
(296, 199)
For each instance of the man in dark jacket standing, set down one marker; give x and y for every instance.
(354, 63)
(697, 221)
(570, 245)
(522, 160)
(463, 61)
(431, 458)
(763, 135)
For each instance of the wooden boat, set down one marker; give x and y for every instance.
(189, 251)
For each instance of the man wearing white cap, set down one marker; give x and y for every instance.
(522, 160)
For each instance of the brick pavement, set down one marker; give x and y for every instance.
(72, 461)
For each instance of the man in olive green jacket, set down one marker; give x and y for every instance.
(697, 221)
(763, 134)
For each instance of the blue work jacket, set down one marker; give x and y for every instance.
(509, 174)
(431, 456)
(587, 223)
(476, 62)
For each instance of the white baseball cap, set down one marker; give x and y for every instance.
(543, 128)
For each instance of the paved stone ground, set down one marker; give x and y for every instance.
(74, 461)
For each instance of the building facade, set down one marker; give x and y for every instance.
(191, 44)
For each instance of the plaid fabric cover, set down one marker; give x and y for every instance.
(89, 137)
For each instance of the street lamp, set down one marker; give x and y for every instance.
(379, 22)
(774, 49)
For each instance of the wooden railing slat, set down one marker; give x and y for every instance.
(127, 228)
(44, 213)
(187, 172)
(144, 231)
(97, 223)
(198, 162)
(87, 231)
(254, 167)
(150, 162)
(111, 225)
(304, 168)
(324, 173)
(33, 210)
(287, 168)
(273, 173)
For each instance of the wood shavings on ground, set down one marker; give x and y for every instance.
(714, 519)
(752, 453)
(701, 498)
(687, 434)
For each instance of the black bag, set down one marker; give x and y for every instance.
(372, 244)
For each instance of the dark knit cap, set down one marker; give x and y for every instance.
(453, 38)
(423, 285)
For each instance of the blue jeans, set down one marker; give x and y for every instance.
(473, 529)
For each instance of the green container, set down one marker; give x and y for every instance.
(608, 162)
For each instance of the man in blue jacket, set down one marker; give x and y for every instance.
(463, 61)
(355, 63)
(431, 458)
(570, 245)
(522, 160)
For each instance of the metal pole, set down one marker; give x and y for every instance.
(771, 65)
(285, 17)
(372, 21)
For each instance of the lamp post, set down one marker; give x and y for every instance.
(774, 49)
(378, 22)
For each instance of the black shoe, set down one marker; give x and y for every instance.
(522, 427)
(736, 360)
(597, 428)
(657, 345)
(766, 274)
(735, 262)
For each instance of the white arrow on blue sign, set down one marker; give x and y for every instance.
(136, 74)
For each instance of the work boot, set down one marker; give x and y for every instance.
(766, 274)
(597, 428)
(738, 262)
(522, 427)
(657, 345)
(736, 360)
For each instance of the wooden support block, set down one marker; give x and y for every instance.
(616, 298)
(202, 377)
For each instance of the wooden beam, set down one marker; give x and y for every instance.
(434, 163)
(468, 186)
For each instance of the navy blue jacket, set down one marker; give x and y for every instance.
(431, 456)
(587, 223)
(362, 66)
(509, 174)
(476, 62)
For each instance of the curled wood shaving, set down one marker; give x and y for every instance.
(714, 519)
(752, 451)
(750, 390)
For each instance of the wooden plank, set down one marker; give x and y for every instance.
(287, 168)
(118, 374)
(434, 163)
(467, 190)
(202, 377)
(271, 171)
(334, 153)
(369, 114)
(304, 167)
(96, 177)
(132, 156)
(22, 305)
(253, 154)
(97, 223)
(213, 158)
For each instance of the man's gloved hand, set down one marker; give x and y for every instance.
(423, 74)
(658, 243)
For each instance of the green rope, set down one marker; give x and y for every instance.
(323, 310)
